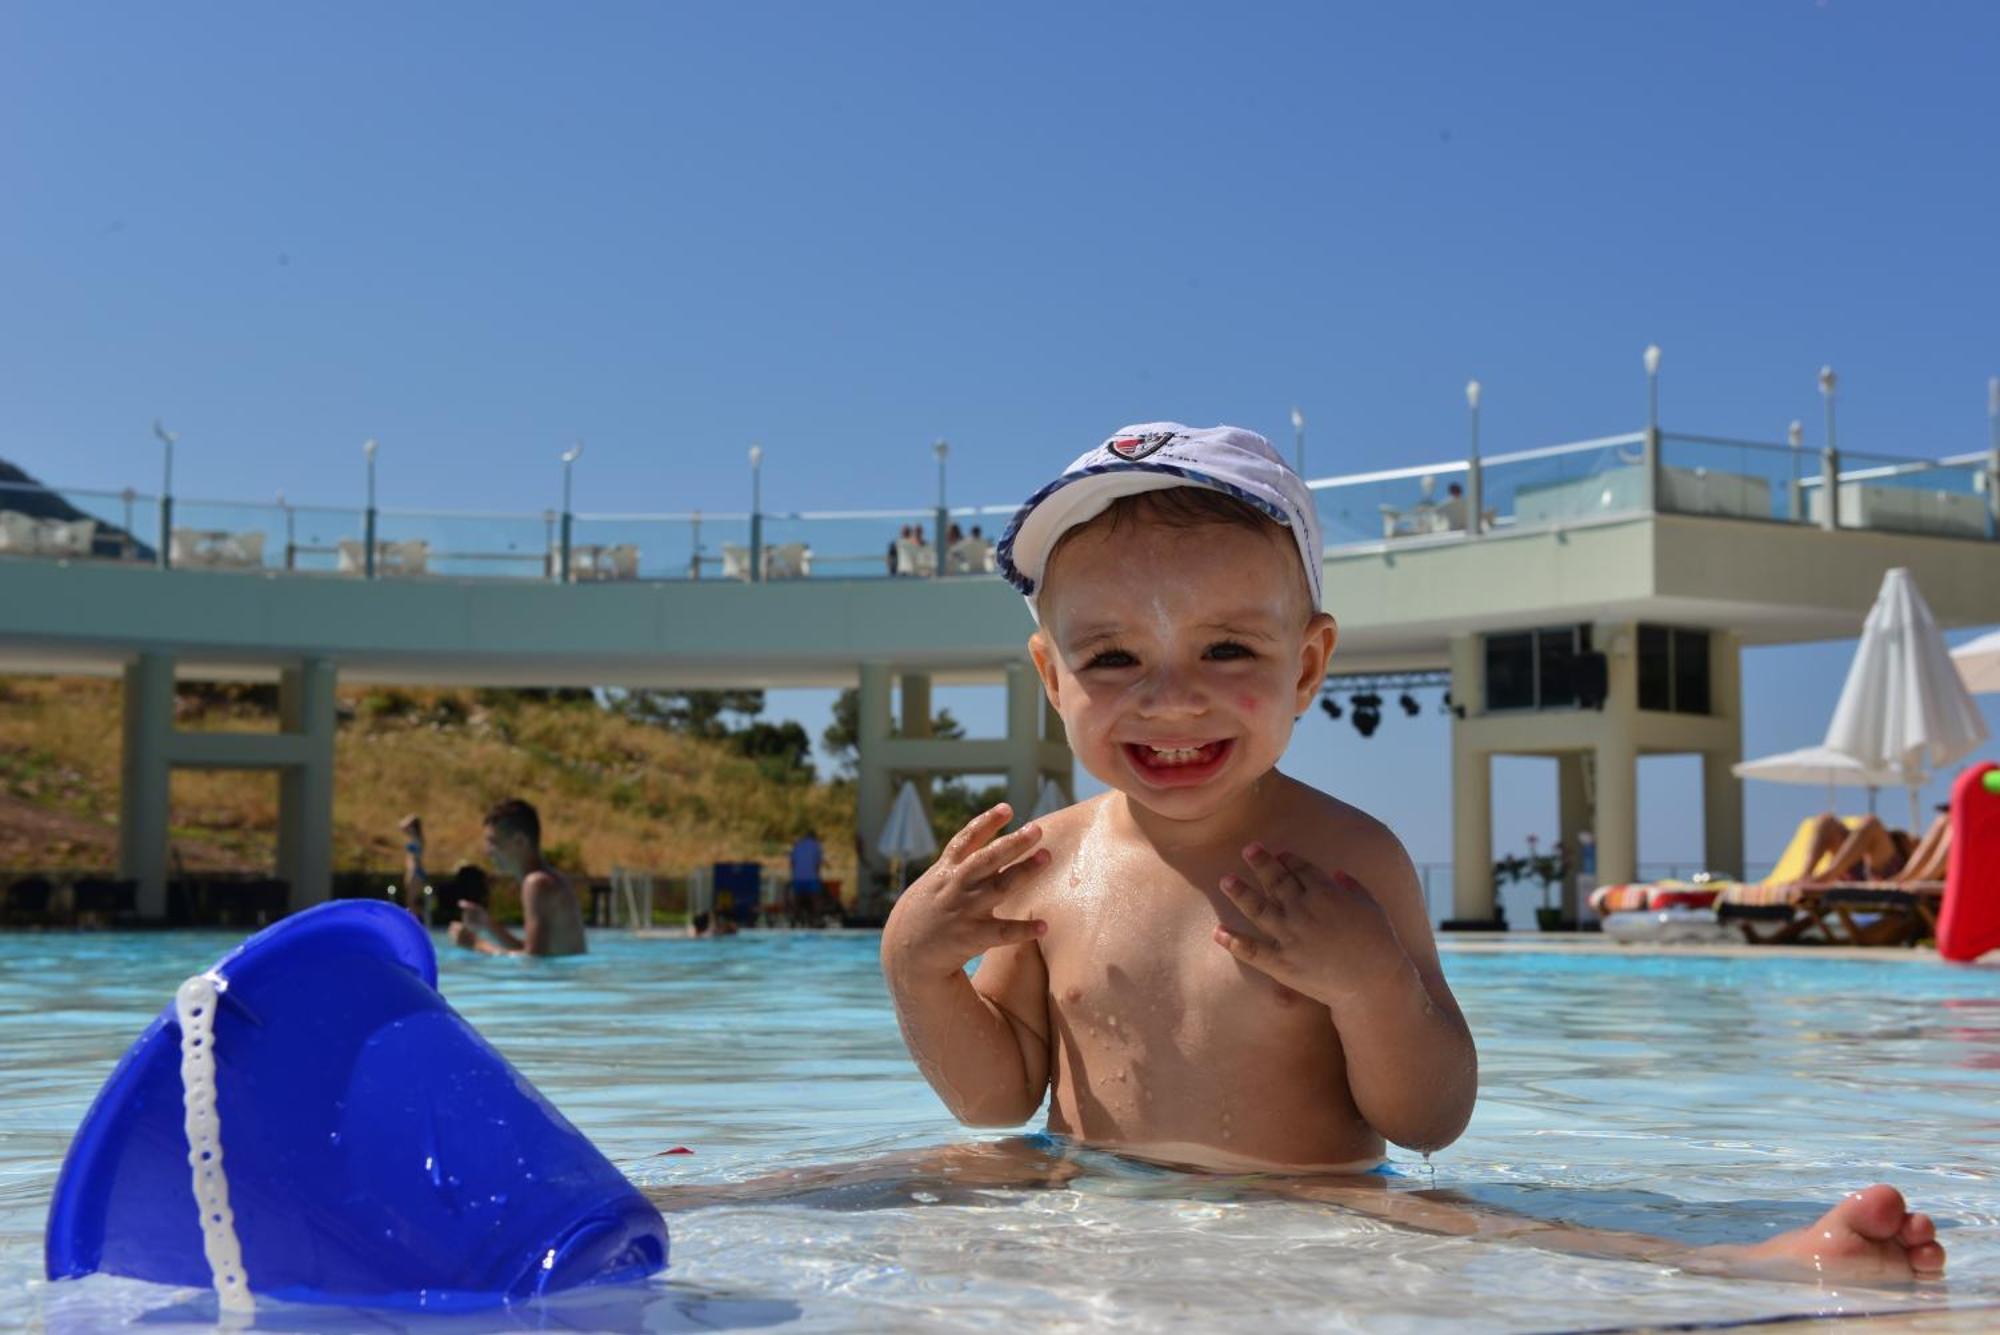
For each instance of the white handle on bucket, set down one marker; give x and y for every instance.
(194, 1007)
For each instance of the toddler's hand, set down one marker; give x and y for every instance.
(1319, 935)
(948, 916)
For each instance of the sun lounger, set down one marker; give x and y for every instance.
(1778, 905)
(1901, 910)
(1899, 913)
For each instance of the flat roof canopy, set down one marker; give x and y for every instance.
(1399, 605)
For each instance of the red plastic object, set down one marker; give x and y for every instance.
(1682, 899)
(1970, 923)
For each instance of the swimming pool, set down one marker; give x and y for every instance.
(1710, 1098)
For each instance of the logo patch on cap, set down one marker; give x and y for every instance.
(1134, 448)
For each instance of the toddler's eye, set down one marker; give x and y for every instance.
(1230, 649)
(1111, 658)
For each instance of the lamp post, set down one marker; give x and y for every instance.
(164, 553)
(1830, 457)
(368, 448)
(1993, 457)
(756, 514)
(1299, 441)
(569, 458)
(1652, 476)
(1795, 436)
(943, 451)
(291, 543)
(1474, 496)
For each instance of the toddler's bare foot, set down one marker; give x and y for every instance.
(1869, 1238)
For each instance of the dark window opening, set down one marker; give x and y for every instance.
(1510, 671)
(1536, 669)
(1673, 670)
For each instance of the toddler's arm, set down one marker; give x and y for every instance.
(984, 1049)
(1363, 947)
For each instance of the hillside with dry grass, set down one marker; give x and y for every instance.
(612, 790)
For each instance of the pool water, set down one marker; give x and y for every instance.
(1706, 1098)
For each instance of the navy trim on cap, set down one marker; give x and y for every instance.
(1004, 553)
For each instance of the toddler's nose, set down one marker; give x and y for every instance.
(1171, 693)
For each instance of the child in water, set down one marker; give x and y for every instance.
(1214, 966)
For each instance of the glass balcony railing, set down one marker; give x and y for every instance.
(1941, 498)
(410, 543)
(657, 546)
(1564, 484)
(78, 524)
(1740, 479)
(1522, 491)
(237, 535)
(1394, 504)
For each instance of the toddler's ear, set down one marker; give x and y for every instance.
(1044, 654)
(1322, 633)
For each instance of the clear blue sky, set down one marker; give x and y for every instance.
(476, 231)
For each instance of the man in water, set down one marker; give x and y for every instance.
(552, 919)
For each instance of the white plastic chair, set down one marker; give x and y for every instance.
(787, 560)
(735, 562)
(19, 532)
(410, 557)
(620, 562)
(68, 537)
(914, 558)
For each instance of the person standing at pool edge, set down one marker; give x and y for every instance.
(808, 907)
(552, 920)
(1213, 965)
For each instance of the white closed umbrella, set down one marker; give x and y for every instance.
(1979, 663)
(1049, 799)
(1904, 706)
(1817, 765)
(906, 835)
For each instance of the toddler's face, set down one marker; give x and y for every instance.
(1179, 657)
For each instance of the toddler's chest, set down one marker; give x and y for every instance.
(1150, 972)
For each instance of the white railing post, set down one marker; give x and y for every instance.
(1475, 493)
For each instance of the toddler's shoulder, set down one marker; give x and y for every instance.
(1061, 829)
(1339, 834)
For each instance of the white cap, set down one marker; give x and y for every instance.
(1154, 456)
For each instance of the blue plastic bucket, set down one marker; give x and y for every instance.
(378, 1151)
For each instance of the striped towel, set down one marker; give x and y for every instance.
(1641, 896)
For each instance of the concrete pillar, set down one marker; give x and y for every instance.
(1471, 788)
(1024, 735)
(1058, 761)
(1573, 804)
(143, 793)
(1617, 813)
(872, 792)
(1471, 828)
(305, 790)
(1721, 790)
(914, 688)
